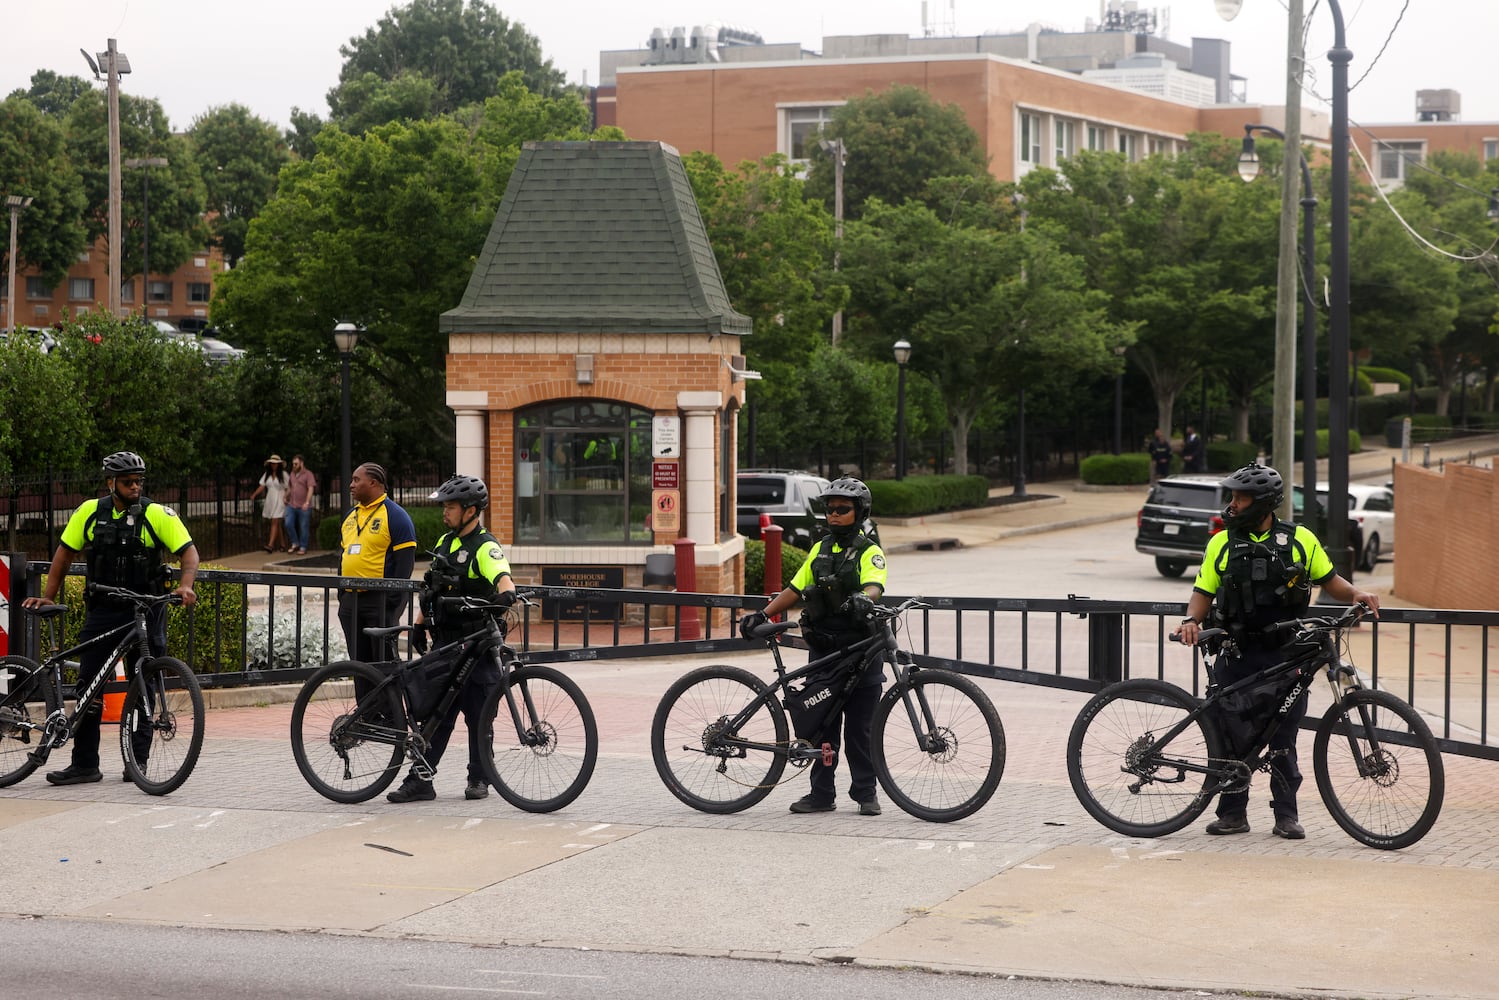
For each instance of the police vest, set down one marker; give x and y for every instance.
(1262, 582)
(835, 576)
(455, 574)
(117, 557)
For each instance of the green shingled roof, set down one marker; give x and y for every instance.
(596, 237)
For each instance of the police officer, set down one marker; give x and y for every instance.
(842, 578)
(125, 535)
(1256, 573)
(468, 562)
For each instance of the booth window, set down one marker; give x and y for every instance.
(583, 473)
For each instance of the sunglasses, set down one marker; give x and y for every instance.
(840, 508)
(131, 481)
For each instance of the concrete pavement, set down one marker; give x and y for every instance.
(1028, 886)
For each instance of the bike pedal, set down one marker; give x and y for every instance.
(827, 754)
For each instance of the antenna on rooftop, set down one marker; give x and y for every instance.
(948, 24)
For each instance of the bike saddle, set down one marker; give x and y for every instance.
(384, 631)
(772, 628)
(49, 610)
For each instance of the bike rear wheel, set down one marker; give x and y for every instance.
(949, 764)
(161, 725)
(348, 749)
(551, 766)
(693, 742)
(1120, 780)
(26, 699)
(1396, 800)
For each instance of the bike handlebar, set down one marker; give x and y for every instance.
(144, 600)
(1324, 623)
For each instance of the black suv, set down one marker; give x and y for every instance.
(788, 496)
(1183, 512)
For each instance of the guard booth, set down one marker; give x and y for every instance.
(592, 369)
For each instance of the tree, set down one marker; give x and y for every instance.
(44, 423)
(240, 156)
(461, 49)
(52, 93)
(896, 141)
(34, 162)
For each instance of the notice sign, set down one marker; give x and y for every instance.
(664, 476)
(581, 578)
(664, 513)
(666, 437)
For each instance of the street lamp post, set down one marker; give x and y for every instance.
(902, 355)
(1249, 166)
(1119, 401)
(111, 66)
(141, 164)
(839, 153)
(346, 337)
(17, 204)
(1338, 327)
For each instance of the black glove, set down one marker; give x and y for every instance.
(861, 604)
(505, 598)
(752, 621)
(418, 638)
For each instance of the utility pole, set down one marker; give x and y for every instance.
(111, 66)
(1287, 283)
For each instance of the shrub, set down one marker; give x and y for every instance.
(1377, 374)
(1130, 469)
(917, 495)
(754, 565)
(427, 520)
(1226, 456)
(289, 653)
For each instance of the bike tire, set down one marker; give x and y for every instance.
(161, 725)
(1118, 723)
(1396, 806)
(693, 764)
(957, 774)
(540, 776)
(26, 698)
(341, 754)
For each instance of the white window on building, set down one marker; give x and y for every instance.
(1066, 137)
(1490, 150)
(199, 291)
(1395, 159)
(1157, 146)
(37, 288)
(800, 128)
(1129, 145)
(158, 291)
(127, 291)
(1030, 138)
(1098, 138)
(81, 289)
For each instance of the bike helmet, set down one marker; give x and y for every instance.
(1261, 482)
(852, 489)
(123, 463)
(469, 491)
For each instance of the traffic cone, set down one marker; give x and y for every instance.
(114, 703)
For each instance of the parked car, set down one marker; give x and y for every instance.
(220, 352)
(39, 337)
(1183, 512)
(788, 496)
(1355, 529)
(1373, 507)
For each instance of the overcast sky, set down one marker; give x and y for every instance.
(271, 55)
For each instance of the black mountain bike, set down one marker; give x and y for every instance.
(161, 721)
(354, 723)
(1145, 757)
(720, 738)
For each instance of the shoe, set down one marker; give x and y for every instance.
(413, 790)
(807, 804)
(268, 548)
(301, 551)
(75, 775)
(1288, 829)
(476, 790)
(1225, 825)
(870, 808)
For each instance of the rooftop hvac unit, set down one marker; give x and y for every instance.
(1438, 105)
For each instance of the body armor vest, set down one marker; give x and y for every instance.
(453, 574)
(117, 557)
(835, 577)
(1261, 582)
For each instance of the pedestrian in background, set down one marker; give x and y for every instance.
(1160, 455)
(301, 484)
(377, 541)
(1194, 451)
(273, 484)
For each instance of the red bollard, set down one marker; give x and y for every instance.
(771, 534)
(689, 623)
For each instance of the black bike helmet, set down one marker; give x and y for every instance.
(852, 489)
(123, 463)
(1261, 482)
(469, 491)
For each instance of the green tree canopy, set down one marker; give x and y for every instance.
(34, 163)
(240, 156)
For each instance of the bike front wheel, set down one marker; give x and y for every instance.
(1379, 770)
(27, 698)
(939, 747)
(700, 752)
(1119, 774)
(348, 748)
(161, 725)
(546, 763)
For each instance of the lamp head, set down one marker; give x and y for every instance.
(1249, 160)
(1228, 9)
(346, 336)
(902, 350)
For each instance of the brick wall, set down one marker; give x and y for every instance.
(1441, 561)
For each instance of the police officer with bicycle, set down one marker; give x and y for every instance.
(842, 578)
(125, 535)
(467, 562)
(1256, 573)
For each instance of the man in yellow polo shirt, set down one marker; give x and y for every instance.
(378, 541)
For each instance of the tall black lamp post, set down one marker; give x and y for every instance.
(1119, 401)
(346, 336)
(1249, 168)
(902, 350)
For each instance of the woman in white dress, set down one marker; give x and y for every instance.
(273, 484)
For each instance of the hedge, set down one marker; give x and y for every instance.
(426, 520)
(918, 495)
(1129, 469)
(754, 565)
(1226, 456)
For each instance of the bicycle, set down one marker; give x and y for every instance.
(161, 721)
(720, 738)
(1145, 757)
(353, 723)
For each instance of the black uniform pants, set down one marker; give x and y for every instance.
(361, 609)
(471, 703)
(856, 740)
(1285, 775)
(99, 620)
